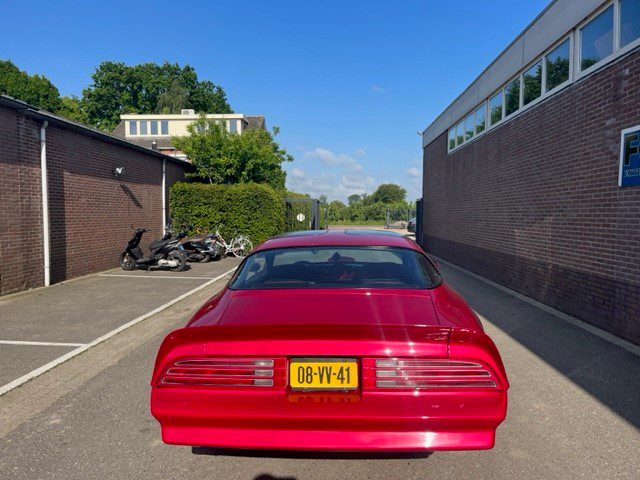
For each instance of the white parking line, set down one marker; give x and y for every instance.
(150, 276)
(41, 344)
(54, 363)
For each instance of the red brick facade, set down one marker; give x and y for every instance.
(90, 211)
(535, 205)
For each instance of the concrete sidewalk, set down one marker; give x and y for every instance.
(39, 326)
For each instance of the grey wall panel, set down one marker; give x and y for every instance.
(466, 102)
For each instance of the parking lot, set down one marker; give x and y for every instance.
(573, 404)
(44, 326)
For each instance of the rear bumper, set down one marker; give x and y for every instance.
(380, 421)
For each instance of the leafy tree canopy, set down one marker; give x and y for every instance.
(354, 198)
(388, 193)
(226, 158)
(71, 108)
(118, 88)
(36, 89)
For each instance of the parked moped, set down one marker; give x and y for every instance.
(197, 249)
(164, 253)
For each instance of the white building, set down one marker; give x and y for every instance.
(154, 131)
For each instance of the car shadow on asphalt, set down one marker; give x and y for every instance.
(310, 455)
(606, 371)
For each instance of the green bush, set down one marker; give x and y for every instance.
(247, 208)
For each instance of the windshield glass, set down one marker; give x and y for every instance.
(336, 267)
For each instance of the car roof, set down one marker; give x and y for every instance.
(347, 237)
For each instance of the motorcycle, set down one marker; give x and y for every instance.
(197, 249)
(164, 253)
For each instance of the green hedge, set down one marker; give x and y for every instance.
(247, 208)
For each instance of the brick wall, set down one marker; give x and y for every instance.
(90, 212)
(535, 205)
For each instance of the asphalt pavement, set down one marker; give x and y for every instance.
(573, 411)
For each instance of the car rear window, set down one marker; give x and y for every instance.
(336, 267)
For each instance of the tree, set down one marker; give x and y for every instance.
(323, 199)
(71, 107)
(147, 88)
(388, 193)
(36, 90)
(227, 158)
(355, 198)
(173, 100)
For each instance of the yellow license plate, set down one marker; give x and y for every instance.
(323, 374)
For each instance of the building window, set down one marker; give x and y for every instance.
(532, 80)
(452, 139)
(233, 126)
(164, 127)
(133, 127)
(596, 39)
(629, 21)
(496, 107)
(512, 94)
(469, 126)
(143, 127)
(460, 133)
(154, 127)
(558, 65)
(481, 118)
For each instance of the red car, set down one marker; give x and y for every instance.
(332, 340)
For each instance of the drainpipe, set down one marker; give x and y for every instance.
(164, 197)
(45, 203)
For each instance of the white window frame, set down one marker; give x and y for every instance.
(449, 147)
(578, 63)
(484, 104)
(460, 122)
(473, 133)
(618, 39)
(491, 125)
(542, 61)
(166, 122)
(557, 88)
(504, 100)
(130, 124)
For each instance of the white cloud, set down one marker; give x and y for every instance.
(336, 175)
(330, 159)
(360, 152)
(377, 89)
(413, 172)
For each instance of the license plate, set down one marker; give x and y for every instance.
(323, 374)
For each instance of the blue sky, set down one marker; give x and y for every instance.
(348, 83)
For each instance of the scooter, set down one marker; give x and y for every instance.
(164, 253)
(197, 249)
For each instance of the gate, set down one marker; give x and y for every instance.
(398, 218)
(302, 214)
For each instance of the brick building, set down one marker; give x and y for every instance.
(90, 208)
(532, 175)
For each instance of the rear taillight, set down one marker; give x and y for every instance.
(225, 372)
(397, 373)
